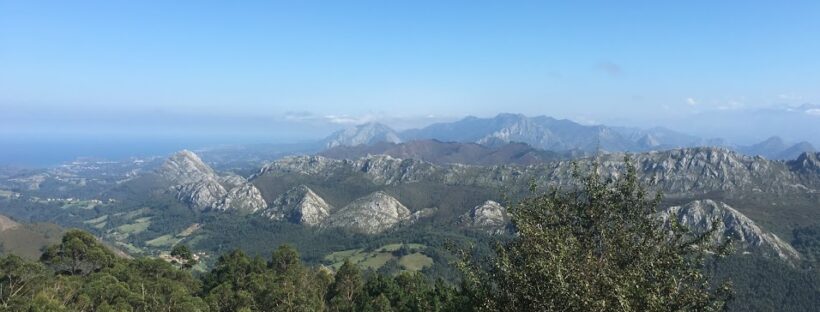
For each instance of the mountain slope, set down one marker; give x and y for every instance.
(551, 134)
(371, 214)
(776, 148)
(731, 224)
(299, 205)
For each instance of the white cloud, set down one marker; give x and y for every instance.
(790, 97)
(691, 101)
(348, 120)
(813, 112)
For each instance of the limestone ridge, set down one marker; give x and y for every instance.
(381, 169)
(806, 163)
(698, 215)
(199, 186)
(299, 205)
(362, 134)
(372, 214)
(679, 172)
(489, 216)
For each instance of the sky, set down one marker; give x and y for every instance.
(259, 71)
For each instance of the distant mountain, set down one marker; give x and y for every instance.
(776, 148)
(439, 152)
(552, 134)
(368, 133)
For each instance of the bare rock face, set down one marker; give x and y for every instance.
(806, 163)
(244, 198)
(201, 195)
(698, 216)
(489, 216)
(186, 167)
(372, 214)
(199, 186)
(381, 169)
(299, 205)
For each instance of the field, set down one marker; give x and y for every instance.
(414, 260)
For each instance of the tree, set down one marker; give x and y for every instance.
(346, 287)
(20, 280)
(185, 256)
(599, 247)
(78, 253)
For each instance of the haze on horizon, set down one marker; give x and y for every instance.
(202, 72)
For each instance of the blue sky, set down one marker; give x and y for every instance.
(273, 70)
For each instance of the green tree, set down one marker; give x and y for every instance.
(599, 247)
(184, 255)
(346, 287)
(78, 253)
(20, 280)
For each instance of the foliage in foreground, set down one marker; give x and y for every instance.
(600, 247)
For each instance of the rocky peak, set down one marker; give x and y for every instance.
(201, 195)
(185, 167)
(806, 163)
(389, 170)
(299, 205)
(244, 198)
(372, 214)
(699, 215)
(489, 216)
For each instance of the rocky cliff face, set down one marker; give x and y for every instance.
(806, 163)
(199, 186)
(185, 167)
(371, 214)
(299, 205)
(244, 198)
(489, 216)
(381, 169)
(698, 216)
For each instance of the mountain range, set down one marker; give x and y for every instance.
(377, 193)
(541, 133)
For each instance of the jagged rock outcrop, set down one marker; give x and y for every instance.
(186, 167)
(806, 163)
(677, 173)
(299, 205)
(199, 186)
(372, 214)
(362, 134)
(489, 216)
(380, 169)
(699, 215)
(201, 195)
(244, 198)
